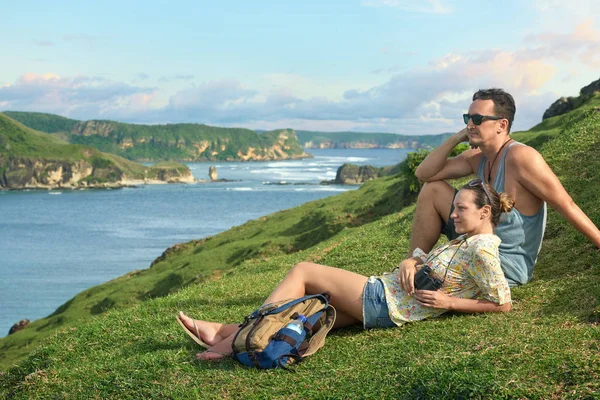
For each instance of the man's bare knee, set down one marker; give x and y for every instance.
(439, 195)
(431, 189)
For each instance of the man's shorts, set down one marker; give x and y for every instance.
(449, 229)
(376, 313)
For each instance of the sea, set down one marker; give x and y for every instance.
(54, 244)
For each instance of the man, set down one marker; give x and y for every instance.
(509, 167)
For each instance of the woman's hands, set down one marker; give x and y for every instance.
(406, 274)
(434, 299)
(439, 299)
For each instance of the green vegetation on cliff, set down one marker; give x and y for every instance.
(182, 142)
(347, 140)
(546, 347)
(29, 158)
(42, 122)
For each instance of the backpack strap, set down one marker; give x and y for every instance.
(294, 357)
(317, 340)
(267, 310)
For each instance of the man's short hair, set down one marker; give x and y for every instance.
(504, 104)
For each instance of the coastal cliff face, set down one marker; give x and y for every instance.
(284, 146)
(27, 173)
(187, 142)
(31, 159)
(331, 144)
(24, 173)
(168, 172)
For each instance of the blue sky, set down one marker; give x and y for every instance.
(396, 66)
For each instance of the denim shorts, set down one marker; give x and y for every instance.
(375, 310)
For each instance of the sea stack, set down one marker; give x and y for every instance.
(212, 173)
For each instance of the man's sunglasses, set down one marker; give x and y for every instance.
(479, 182)
(478, 118)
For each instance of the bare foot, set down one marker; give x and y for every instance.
(218, 351)
(209, 331)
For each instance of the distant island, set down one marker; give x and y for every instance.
(177, 142)
(364, 140)
(30, 159)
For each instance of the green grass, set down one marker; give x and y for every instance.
(42, 122)
(548, 346)
(284, 232)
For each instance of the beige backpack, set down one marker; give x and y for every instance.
(278, 334)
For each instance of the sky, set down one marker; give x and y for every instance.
(407, 67)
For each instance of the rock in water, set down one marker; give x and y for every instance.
(19, 326)
(212, 173)
(350, 174)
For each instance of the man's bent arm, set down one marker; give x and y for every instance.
(537, 177)
(437, 166)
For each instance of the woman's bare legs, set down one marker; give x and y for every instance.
(306, 278)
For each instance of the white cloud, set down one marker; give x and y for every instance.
(582, 44)
(80, 96)
(428, 99)
(427, 6)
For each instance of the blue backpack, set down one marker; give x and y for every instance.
(269, 337)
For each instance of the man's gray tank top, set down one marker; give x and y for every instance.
(521, 234)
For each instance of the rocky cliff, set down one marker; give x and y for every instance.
(187, 142)
(350, 174)
(566, 104)
(169, 172)
(332, 144)
(28, 173)
(34, 160)
(367, 140)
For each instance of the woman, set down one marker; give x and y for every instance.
(468, 269)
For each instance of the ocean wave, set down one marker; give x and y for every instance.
(357, 159)
(280, 164)
(322, 189)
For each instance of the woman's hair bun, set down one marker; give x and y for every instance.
(506, 202)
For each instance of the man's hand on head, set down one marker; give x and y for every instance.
(463, 136)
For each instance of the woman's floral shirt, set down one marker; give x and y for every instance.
(473, 272)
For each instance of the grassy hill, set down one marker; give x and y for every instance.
(546, 347)
(182, 142)
(42, 122)
(347, 140)
(29, 157)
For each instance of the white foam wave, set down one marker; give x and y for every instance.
(280, 164)
(332, 189)
(357, 159)
(241, 189)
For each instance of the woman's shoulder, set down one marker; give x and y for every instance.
(484, 241)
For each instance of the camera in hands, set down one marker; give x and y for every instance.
(425, 281)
